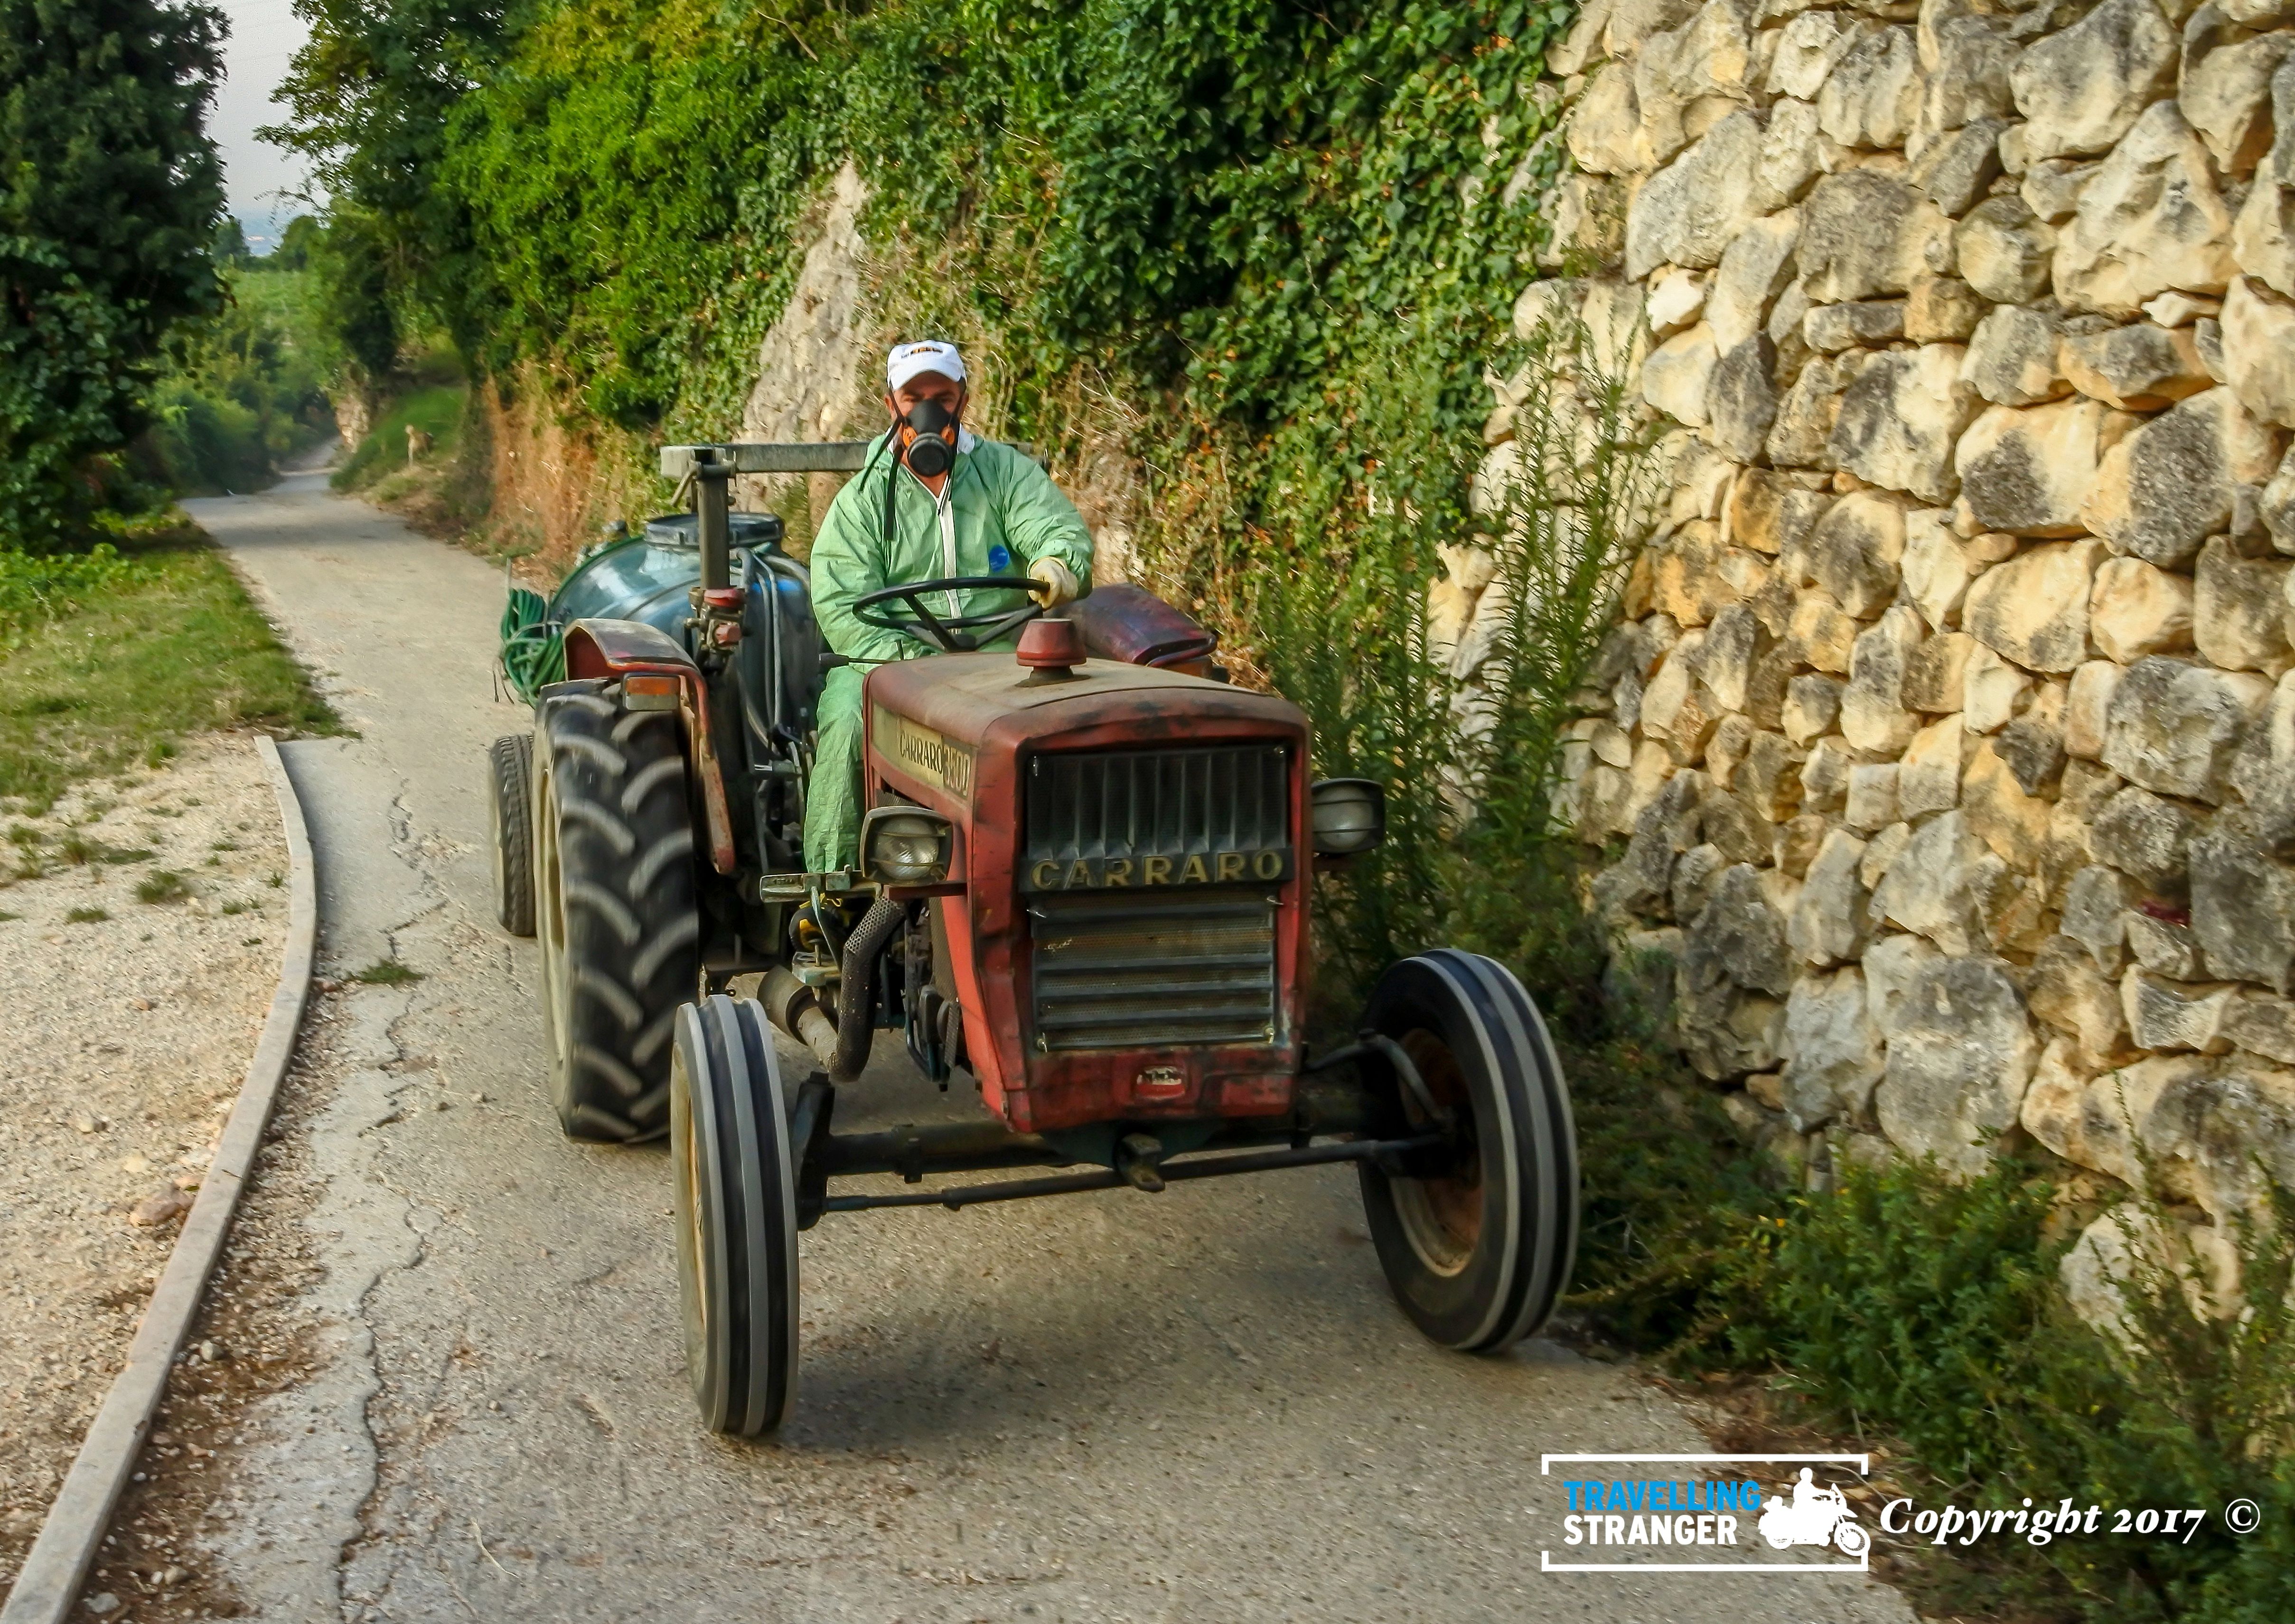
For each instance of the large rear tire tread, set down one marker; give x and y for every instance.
(509, 773)
(736, 1210)
(618, 910)
(1523, 1155)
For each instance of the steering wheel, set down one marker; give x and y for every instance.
(949, 634)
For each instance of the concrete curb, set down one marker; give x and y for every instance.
(58, 1563)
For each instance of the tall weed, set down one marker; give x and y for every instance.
(1338, 582)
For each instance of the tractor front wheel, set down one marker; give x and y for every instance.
(616, 909)
(1477, 1235)
(735, 1208)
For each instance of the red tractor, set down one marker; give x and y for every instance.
(1085, 882)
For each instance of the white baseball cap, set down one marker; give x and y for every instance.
(908, 360)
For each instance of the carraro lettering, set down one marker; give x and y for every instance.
(924, 753)
(1262, 865)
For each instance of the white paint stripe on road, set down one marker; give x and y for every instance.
(59, 1561)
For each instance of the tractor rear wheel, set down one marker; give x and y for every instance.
(735, 1208)
(1477, 1244)
(617, 909)
(509, 809)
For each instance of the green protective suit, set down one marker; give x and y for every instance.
(997, 514)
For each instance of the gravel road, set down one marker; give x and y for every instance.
(1197, 1404)
(127, 1024)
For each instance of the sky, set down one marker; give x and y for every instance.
(265, 34)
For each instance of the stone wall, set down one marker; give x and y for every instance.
(1951, 733)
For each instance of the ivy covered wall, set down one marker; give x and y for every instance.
(1250, 263)
(1216, 198)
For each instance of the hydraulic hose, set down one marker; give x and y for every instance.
(856, 993)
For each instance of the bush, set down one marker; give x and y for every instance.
(1905, 1298)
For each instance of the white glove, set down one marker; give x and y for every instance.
(1055, 584)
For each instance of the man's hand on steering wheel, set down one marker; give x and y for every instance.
(1056, 582)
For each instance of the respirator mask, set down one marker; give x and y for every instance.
(928, 435)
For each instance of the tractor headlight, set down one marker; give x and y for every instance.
(1349, 816)
(905, 846)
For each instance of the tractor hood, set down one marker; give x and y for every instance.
(921, 710)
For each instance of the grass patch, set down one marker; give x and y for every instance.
(35, 588)
(86, 916)
(161, 885)
(387, 973)
(237, 907)
(169, 646)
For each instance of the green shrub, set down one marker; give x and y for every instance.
(1904, 1297)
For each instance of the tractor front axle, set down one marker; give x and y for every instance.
(1109, 1178)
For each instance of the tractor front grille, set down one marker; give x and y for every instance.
(1142, 804)
(1153, 971)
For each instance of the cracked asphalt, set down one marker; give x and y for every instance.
(1201, 1404)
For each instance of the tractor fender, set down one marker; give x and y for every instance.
(616, 648)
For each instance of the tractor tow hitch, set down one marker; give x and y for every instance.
(1136, 1158)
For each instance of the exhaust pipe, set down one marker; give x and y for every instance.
(841, 1044)
(791, 1006)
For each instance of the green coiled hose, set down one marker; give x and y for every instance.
(533, 649)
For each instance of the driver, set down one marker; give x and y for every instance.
(933, 500)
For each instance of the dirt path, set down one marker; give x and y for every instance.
(129, 1019)
(1201, 1405)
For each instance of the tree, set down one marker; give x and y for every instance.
(231, 250)
(371, 94)
(108, 201)
(354, 304)
(293, 252)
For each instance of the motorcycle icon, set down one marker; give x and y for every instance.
(1815, 1515)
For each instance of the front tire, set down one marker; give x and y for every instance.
(615, 910)
(735, 1208)
(1477, 1241)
